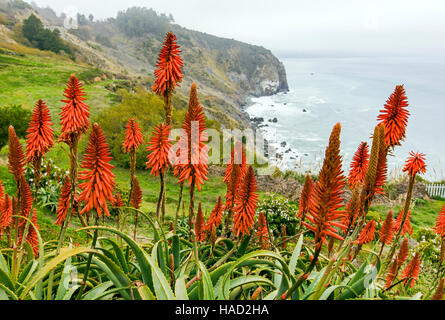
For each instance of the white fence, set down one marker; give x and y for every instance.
(435, 190)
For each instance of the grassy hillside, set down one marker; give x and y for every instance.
(25, 78)
(128, 47)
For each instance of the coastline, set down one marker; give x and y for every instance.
(284, 157)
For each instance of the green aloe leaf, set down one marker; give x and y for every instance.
(97, 291)
(42, 272)
(151, 273)
(295, 255)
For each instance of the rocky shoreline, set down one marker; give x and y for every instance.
(260, 123)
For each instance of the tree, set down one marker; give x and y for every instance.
(81, 19)
(32, 28)
(42, 38)
(137, 22)
(16, 116)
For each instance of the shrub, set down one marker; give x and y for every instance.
(424, 234)
(3, 19)
(280, 212)
(147, 108)
(105, 41)
(429, 244)
(16, 116)
(89, 74)
(50, 184)
(82, 33)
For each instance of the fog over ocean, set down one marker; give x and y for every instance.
(352, 91)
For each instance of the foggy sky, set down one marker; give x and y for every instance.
(300, 27)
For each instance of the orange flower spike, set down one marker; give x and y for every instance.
(216, 216)
(327, 198)
(386, 234)
(136, 195)
(75, 113)
(352, 209)
(2, 192)
(235, 172)
(196, 165)
(263, 233)
(199, 225)
(415, 164)
(16, 156)
(305, 198)
(6, 213)
(382, 163)
(359, 165)
(97, 177)
(32, 234)
(438, 295)
(159, 149)
(26, 198)
(394, 117)
(411, 272)
(237, 160)
(367, 234)
(439, 228)
(169, 74)
(14, 202)
(403, 252)
(64, 202)
(117, 201)
(31, 237)
(245, 204)
(392, 273)
(40, 137)
(133, 137)
(407, 228)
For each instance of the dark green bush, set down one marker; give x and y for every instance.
(428, 244)
(41, 38)
(13, 116)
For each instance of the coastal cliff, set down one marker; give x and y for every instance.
(227, 72)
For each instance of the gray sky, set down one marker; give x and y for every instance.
(301, 27)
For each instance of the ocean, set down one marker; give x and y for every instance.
(352, 91)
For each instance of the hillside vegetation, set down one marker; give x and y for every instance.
(127, 47)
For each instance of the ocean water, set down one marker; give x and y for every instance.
(352, 91)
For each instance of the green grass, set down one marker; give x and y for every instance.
(26, 79)
(424, 214)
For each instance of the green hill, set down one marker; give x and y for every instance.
(126, 48)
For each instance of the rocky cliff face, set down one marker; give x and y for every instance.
(227, 72)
